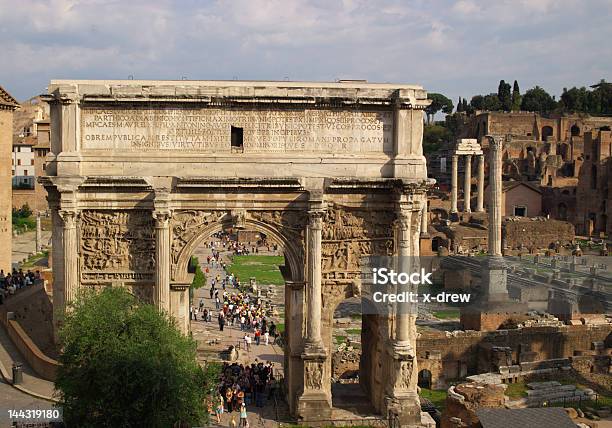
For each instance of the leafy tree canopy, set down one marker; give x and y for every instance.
(126, 364)
(438, 103)
(538, 100)
(434, 136)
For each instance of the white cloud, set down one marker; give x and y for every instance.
(458, 47)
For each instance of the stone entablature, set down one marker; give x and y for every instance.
(235, 128)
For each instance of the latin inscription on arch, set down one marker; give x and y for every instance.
(209, 130)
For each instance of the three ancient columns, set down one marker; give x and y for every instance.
(467, 148)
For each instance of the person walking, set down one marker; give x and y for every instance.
(257, 336)
(266, 338)
(247, 342)
(221, 321)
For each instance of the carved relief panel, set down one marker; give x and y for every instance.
(350, 234)
(117, 246)
(313, 375)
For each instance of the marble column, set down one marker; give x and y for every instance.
(481, 179)
(38, 234)
(424, 219)
(403, 316)
(161, 296)
(70, 255)
(495, 196)
(314, 294)
(467, 184)
(454, 162)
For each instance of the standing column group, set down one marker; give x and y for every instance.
(467, 183)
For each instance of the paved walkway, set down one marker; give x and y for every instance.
(32, 384)
(206, 332)
(25, 244)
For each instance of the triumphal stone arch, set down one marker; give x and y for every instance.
(141, 172)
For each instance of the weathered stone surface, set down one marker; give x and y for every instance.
(143, 172)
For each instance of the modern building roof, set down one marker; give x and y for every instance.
(552, 417)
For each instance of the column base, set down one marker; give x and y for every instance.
(313, 407)
(314, 403)
(314, 350)
(404, 410)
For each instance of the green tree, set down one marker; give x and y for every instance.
(433, 137)
(438, 102)
(459, 105)
(516, 97)
(464, 106)
(126, 364)
(491, 102)
(538, 100)
(199, 279)
(602, 97)
(477, 102)
(504, 95)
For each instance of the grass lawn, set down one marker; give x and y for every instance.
(353, 331)
(447, 314)
(32, 262)
(263, 268)
(438, 398)
(23, 224)
(516, 390)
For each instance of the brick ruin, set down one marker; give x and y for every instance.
(568, 158)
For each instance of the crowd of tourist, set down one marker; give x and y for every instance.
(13, 281)
(242, 385)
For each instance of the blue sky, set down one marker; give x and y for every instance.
(456, 47)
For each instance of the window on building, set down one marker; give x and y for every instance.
(547, 131)
(520, 211)
(18, 161)
(31, 161)
(237, 141)
(25, 172)
(44, 166)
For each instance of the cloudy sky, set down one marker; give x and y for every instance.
(457, 47)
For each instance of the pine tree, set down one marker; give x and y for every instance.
(504, 95)
(516, 97)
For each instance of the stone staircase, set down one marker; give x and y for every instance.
(554, 392)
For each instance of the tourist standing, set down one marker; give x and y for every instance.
(219, 409)
(221, 321)
(243, 416)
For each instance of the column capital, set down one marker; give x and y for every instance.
(315, 219)
(162, 218)
(69, 218)
(496, 142)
